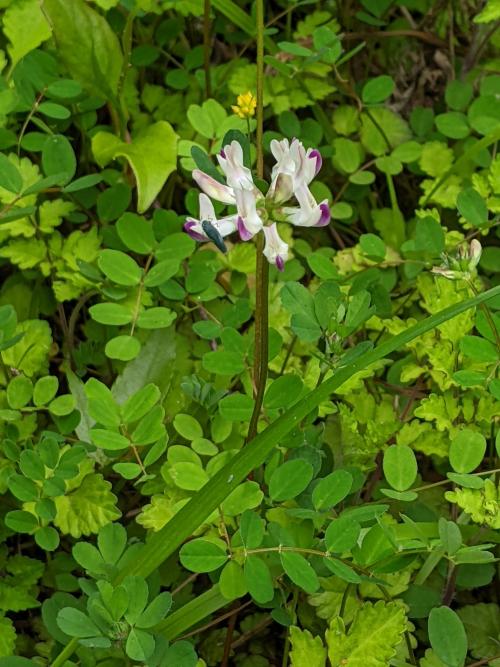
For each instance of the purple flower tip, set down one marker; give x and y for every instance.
(188, 228)
(245, 235)
(222, 153)
(316, 155)
(280, 264)
(325, 215)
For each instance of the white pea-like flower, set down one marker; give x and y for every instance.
(294, 170)
(275, 249)
(461, 266)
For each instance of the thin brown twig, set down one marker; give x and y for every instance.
(484, 661)
(427, 37)
(192, 577)
(251, 633)
(216, 621)
(73, 318)
(336, 237)
(474, 53)
(228, 640)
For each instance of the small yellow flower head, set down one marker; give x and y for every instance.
(246, 104)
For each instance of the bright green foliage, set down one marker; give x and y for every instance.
(372, 638)
(17, 16)
(7, 637)
(483, 505)
(117, 611)
(202, 556)
(18, 588)
(306, 649)
(358, 521)
(400, 467)
(88, 508)
(151, 156)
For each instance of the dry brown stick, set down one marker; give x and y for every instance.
(427, 37)
(216, 621)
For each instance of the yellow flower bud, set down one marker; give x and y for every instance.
(245, 105)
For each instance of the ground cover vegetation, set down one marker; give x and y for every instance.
(249, 333)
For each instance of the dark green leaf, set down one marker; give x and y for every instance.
(202, 556)
(467, 451)
(447, 636)
(473, 207)
(400, 467)
(300, 571)
(119, 267)
(10, 177)
(236, 407)
(283, 391)
(76, 624)
(377, 90)
(342, 534)
(331, 489)
(258, 579)
(290, 479)
(58, 157)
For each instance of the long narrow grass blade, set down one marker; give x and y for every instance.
(240, 18)
(167, 540)
(191, 613)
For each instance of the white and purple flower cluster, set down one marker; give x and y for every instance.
(294, 170)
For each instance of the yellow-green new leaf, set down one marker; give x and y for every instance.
(152, 155)
(372, 638)
(17, 17)
(7, 637)
(483, 505)
(86, 509)
(306, 649)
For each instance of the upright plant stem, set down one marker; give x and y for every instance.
(261, 334)
(259, 7)
(262, 267)
(207, 50)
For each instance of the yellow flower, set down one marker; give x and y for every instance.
(245, 106)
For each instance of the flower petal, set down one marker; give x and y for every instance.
(309, 213)
(275, 249)
(193, 228)
(245, 235)
(207, 211)
(314, 154)
(325, 214)
(281, 188)
(213, 188)
(226, 225)
(208, 228)
(246, 203)
(295, 163)
(231, 162)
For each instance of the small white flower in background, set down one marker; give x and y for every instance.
(294, 170)
(475, 250)
(461, 266)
